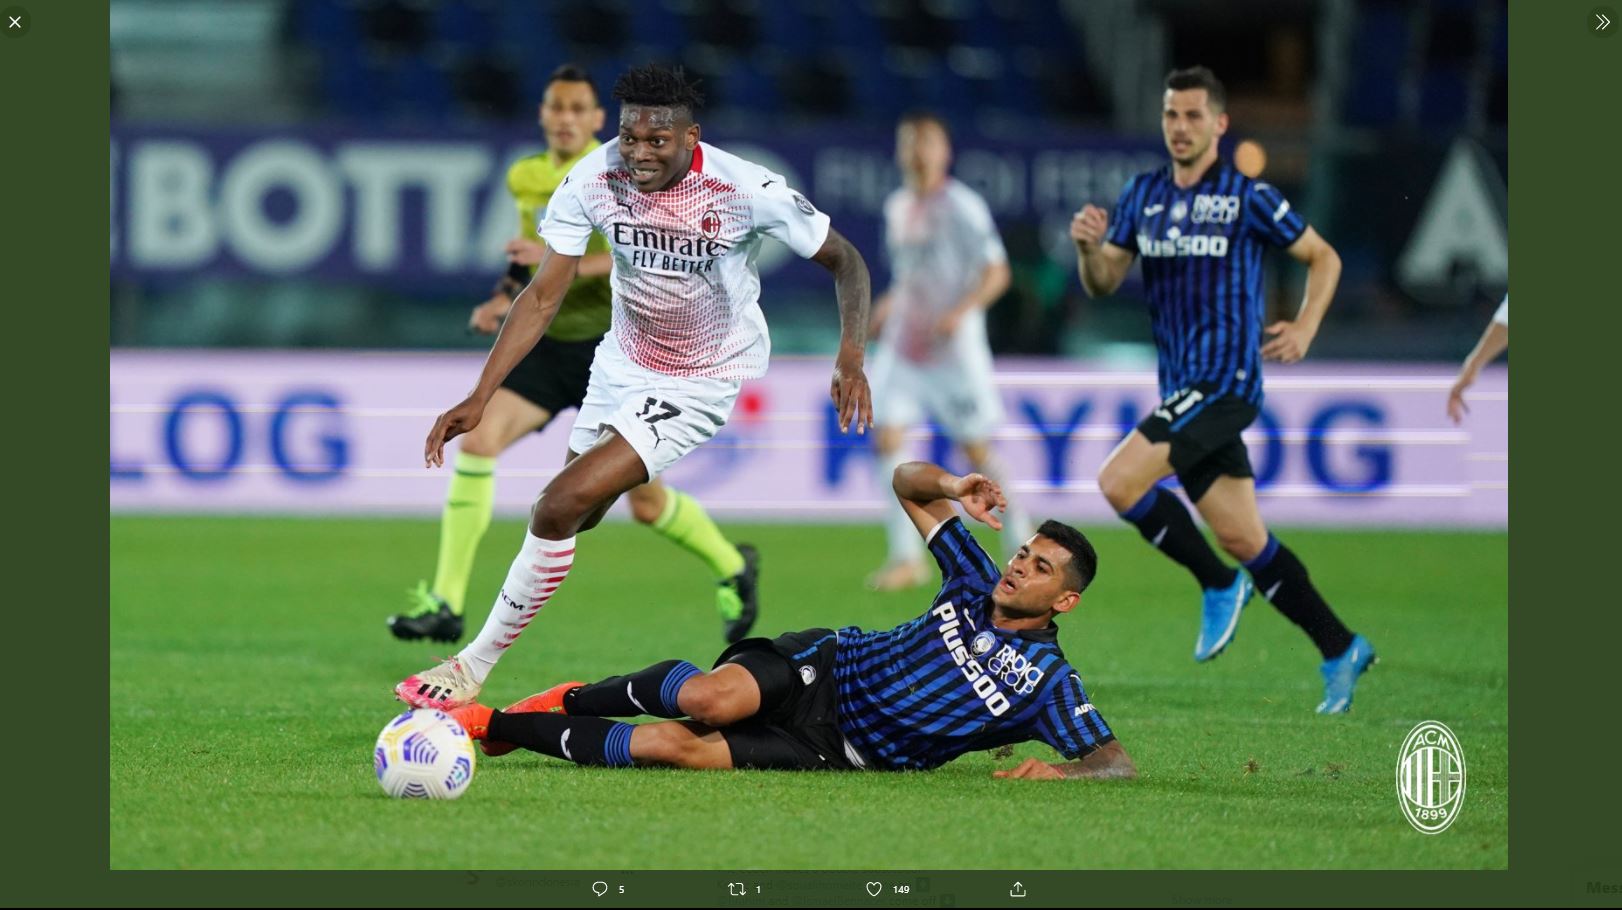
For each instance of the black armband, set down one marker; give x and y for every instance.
(512, 284)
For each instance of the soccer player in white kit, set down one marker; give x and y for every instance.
(932, 360)
(684, 221)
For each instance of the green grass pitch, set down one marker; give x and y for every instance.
(251, 672)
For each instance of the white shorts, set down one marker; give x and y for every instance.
(958, 394)
(662, 417)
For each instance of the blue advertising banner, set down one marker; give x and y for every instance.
(421, 211)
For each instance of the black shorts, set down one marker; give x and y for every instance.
(797, 728)
(554, 374)
(1203, 429)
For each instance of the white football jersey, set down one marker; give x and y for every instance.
(939, 245)
(686, 290)
(1502, 316)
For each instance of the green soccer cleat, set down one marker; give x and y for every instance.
(429, 617)
(738, 598)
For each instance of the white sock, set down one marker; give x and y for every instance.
(536, 573)
(905, 544)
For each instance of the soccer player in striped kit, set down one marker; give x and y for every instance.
(979, 669)
(1201, 227)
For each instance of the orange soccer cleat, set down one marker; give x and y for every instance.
(474, 718)
(548, 702)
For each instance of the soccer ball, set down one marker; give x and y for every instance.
(424, 754)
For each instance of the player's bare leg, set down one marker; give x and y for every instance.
(1132, 469)
(904, 566)
(648, 501)
(1016, 523)
(1128, 479)
(1229, 507)
(681, 744)
(436, 610)
(583, 490)
(723, 696)
(586, 487)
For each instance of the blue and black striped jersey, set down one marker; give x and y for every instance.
(950, 682)
(1202, 264)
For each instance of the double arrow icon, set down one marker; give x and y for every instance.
(1603, 22)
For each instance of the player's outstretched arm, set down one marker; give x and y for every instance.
(1494, 341)
(1291, 338)
(1102, 265)
(853, 289)
(527, 321)
(1107, 762)
(927, 492)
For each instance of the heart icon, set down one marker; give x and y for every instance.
(873, 888)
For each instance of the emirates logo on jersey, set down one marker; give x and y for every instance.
(656, 250)
(710, 225)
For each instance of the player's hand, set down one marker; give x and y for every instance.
(1456, 408)
(1289, 342)
(1088, 227)
(852, 398)
(488, 316)
(525, 251)
(947, 325)
(1031, 769)
(980, 495)
(451, 424)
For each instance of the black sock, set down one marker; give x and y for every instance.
(1164, 521)
(651, 691)
(582, 740)
(1282, 579)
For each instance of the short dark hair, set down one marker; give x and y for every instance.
(654, 85)
(1199, 77)
(1083, 558)
(572, 72)
(915, 117)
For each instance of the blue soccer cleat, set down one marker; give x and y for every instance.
(1341, 673)
(1219, 618)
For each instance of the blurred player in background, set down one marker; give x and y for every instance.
(1494, 341)
(684, 221)
(550, 379)
(980, 669)
(1201, 228)
(932, 360)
